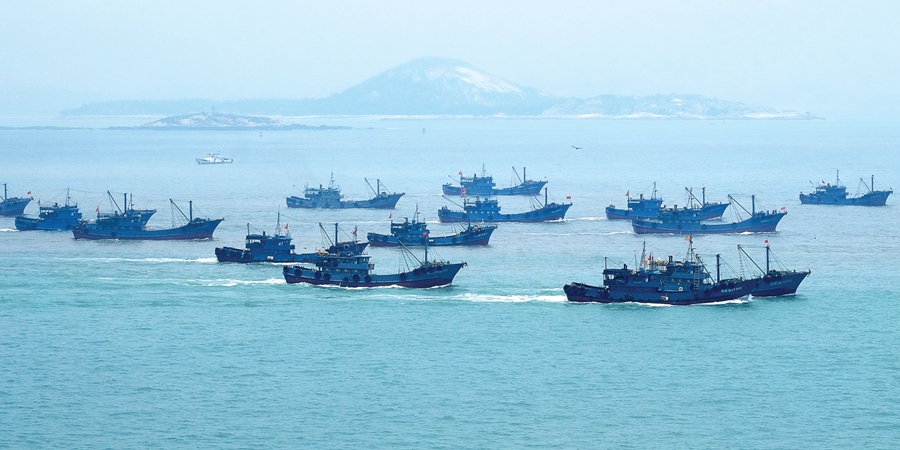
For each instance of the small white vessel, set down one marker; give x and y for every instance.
(214, 158)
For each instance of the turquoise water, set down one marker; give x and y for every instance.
(155, 344)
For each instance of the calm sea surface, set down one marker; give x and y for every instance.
(155, 344)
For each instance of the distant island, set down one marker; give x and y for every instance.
(223, 121)
(442, 87)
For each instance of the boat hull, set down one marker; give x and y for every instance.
(29, 224)
(14, 206)
(547, 213)
(194, 230)
(779, 283)
(876, 198)
(709, 211)
(718, 292)
(388, 201)
(530, 187)
(759, 223)
(441, 275)
(243, 255)
(478, 237)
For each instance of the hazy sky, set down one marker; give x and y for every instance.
(829, 58)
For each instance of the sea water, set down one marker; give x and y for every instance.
(108, 344)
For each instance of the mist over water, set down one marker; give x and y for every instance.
(138, 344)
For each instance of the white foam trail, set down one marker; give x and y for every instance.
(589, 219)
(607, 233)
(8, 229)
(156, 260)
(487, 298)
(227, 282)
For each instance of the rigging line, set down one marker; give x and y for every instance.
(451, 201)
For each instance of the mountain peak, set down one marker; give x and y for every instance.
(441, 86)
(451, 70)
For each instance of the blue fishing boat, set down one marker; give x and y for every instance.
(649, 208)
(640, 207)
(672, 222)
(13, 206)
(775, 282)
(55, 217)
(485, 186)
(132, 227)
(836, 194)
(143, 215)
(277, 248)
(345, 269)
(330, 198)
(663, 282)
(414, 233)
(488, 210)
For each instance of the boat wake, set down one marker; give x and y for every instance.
(227, 282)
(158, 260)
(586, 219)
(592, 233)
(8, 229)
(487, 298)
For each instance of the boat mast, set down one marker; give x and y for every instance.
(704, 196)
(753, 205)
(524, 177)
(718, 267)
(767, 256)
(873, 184)
(335, 234)
(4, 192)
(191, 210)
(545, 197)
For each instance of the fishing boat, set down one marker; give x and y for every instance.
(836, 194)
(131, 227)
(485, 186)
(277, 248)
(143, 215)
(13, 206)
(639, 207)
(346, 269)
(414, 233)
(488, 210)
(650, 208)
(55, 217)
(663, 282)
(330, 198)
(672, 222)
(775, 282)
(214, 158)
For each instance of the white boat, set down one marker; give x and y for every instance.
(214, 158)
